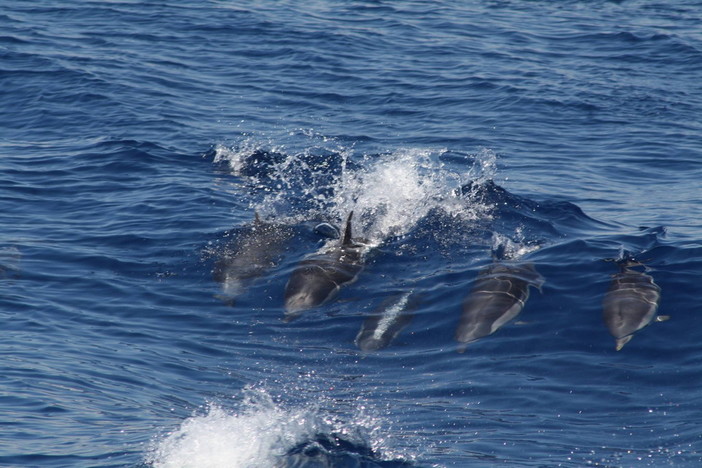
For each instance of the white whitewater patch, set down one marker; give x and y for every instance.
(235, 158)
(513, 248)
(256, 435)
(388, 193)
(220, 439)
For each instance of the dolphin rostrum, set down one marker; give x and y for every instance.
(631, 302)
(386, 323)
(499, 294)
(255, 250)
(318, 279)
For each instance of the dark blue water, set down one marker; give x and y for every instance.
(139, 139)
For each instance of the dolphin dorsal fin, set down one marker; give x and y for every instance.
(257, 218)
(346, 240)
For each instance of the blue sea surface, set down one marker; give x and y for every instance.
(141, 311)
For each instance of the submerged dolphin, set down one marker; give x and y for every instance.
(386, 323)
(318, 279)
(631, 302)
(249, 255)
(499, 294)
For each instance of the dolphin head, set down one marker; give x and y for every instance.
(371, 343)
(298, 302)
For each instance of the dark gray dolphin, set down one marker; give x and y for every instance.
(498, 295)
(380, 328)
(254, 251)
(631, 302)
(318, 279)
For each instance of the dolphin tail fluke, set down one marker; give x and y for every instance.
(347, 232)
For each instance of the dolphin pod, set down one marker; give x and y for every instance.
(318, 279)
(498, 295)
(631, 302)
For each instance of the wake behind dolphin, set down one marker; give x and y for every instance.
(318, 279)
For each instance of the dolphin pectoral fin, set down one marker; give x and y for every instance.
(461, 348)
(662, 318)
(622, 341)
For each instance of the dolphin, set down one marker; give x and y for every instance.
(319, 278)
(249, 255)
(379, 329)
(499, 294)
(631, 302)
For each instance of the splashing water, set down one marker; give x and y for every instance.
(260, 434)
(393, 193)
(389, 193)
(513, 248)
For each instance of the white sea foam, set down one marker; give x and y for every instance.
(389, 193)
(235, 158)
(254, 436)
(257, 434)
(514, 247)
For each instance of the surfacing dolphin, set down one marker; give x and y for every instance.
(318, 279)
(254, 251)
(631, 302)
(498, 295)
(388, 320)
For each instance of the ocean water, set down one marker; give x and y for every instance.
(140, 140)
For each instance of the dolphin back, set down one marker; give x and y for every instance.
(498, 296)
(380, 328)
(318, 279)
(630, 304)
